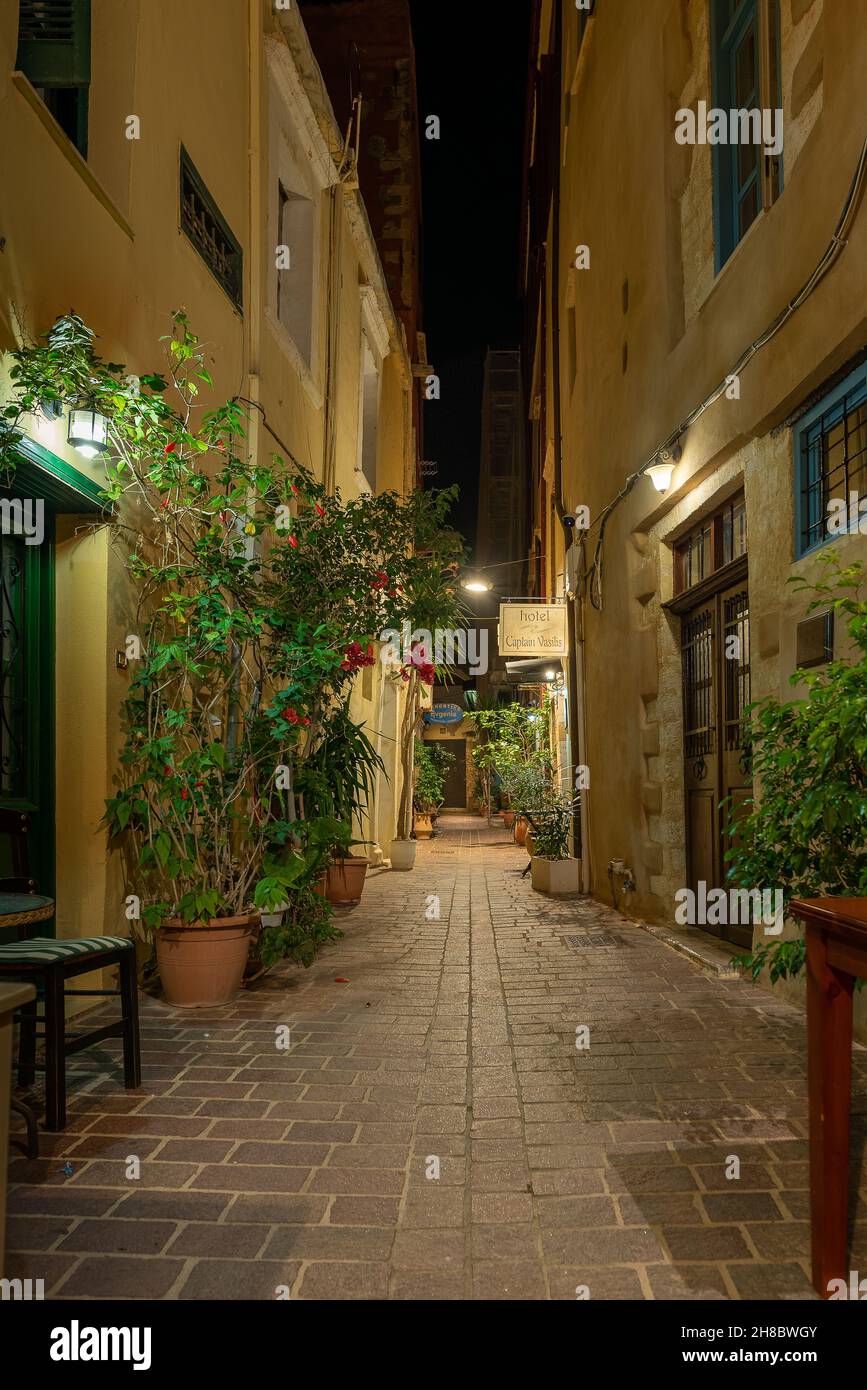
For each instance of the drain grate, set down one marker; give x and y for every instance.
(596, 938)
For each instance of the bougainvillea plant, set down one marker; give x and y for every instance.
(257, 599)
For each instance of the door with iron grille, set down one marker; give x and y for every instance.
(715, 654)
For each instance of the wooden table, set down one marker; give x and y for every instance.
(836, 935)
(11, 998)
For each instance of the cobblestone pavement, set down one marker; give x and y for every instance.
(455, 1040)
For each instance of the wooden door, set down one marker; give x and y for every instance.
(715, 653)
(455, 793)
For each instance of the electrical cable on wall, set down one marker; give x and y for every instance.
(835, 247)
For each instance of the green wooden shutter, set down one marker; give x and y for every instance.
(54, 42)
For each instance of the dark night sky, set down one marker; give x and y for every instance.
(472, 59)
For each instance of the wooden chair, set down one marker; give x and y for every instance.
(50, 963)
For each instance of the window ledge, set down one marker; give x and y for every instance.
(69, 152)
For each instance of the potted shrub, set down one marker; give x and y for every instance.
(336, 781)
(553, 870)
(196, 808)
(344, 879)
(431, 764)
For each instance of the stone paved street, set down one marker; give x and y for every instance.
(455, 1040)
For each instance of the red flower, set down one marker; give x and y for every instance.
(292, 716)
(170, 448)
(293, 541)
(305, 719)
(320, 510)
(355, 657)
(381, 580)
(294, 489)
(185, 795)
(169, 771)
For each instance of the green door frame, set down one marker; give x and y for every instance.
(41, 475)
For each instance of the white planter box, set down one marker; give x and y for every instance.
(556, 875)
(402, 854)
(275, 917)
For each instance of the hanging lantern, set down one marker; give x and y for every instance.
(88, 431)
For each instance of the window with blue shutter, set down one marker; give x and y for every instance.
(54, 53)
(745, 68)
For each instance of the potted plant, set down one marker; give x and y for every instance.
(431, 764)
(197, 798)
(553, 869)
(344, 879)
(336, 781)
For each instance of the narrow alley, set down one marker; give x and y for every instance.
(432, 1131)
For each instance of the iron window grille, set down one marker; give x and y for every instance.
(210, 234)
(830, 458)
(697, 650)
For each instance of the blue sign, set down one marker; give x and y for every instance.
(444, 714)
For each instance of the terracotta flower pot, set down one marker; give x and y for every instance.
(520, 831)
(344, 880)
(508, 819)
(203, 964)
(422, 825)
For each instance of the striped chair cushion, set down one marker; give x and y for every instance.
(45, 949)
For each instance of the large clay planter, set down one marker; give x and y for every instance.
(402, 854)
(344, 881)
(508, 819)
(520, 831)
(422, 825)
(203, 965)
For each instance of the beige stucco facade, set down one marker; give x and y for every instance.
(235, 83)
(647, 332)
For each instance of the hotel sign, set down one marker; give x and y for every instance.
(532, 629)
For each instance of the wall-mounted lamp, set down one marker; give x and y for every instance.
(474, 585)
(660, 472)
(88, 432)
(660, 475)
(664, 466)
